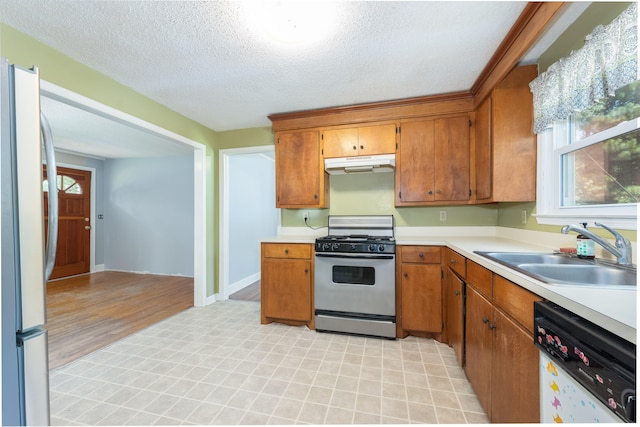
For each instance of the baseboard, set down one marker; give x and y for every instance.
(241, 284)
(147, 272)
(98, 268)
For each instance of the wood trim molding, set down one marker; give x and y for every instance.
(530, 25)
(523, 34)
(450, 103)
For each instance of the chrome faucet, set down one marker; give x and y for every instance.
(621, 250)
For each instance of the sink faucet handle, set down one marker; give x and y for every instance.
(621, 241)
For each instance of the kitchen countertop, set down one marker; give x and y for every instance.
(612, 309)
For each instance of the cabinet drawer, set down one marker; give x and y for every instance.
(421, 254)
(479, 277)
(286, 250)
(517, 302)
(456, 262)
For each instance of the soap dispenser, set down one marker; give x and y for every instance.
(585, 247)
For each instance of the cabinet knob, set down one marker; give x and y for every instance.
(421, 255)
(286, 251)
(430, 192)
(456, 293)
(439, 191)
(492, 327)
(485, 320)
(453, 261)
(306, 270)
(362, 147)
(406, 274)
(315, 196)
(355, 148)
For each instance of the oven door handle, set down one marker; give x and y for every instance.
(356, 256)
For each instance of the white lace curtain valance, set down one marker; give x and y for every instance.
(608, 61)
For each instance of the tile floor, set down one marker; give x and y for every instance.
(218, 365)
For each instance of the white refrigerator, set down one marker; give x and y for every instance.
(25, 263)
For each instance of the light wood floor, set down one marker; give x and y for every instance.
(88, 312)
(249, 293)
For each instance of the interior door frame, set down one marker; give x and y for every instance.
(201, 231)
(223, 250)
(93, 268)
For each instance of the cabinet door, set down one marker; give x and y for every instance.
(478, 346)
(340, 142)
(455, 320)
(514, 144)
(452, 159)
(414, 163)
(515, 383)
(483, 151)
(379, 139)
(299, 170)
(286, 285)
(421, 297)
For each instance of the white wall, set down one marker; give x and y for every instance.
(252, 212)
(149, 215)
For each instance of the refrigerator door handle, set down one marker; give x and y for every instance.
(35, 368)
(52, 173)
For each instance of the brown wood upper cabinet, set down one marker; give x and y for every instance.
(432, 162)
(359, 141)
(505, 146)
(300, 178)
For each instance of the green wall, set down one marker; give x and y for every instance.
(374, 193)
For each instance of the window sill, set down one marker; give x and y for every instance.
(622, 222)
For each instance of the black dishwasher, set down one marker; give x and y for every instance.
(600, 361)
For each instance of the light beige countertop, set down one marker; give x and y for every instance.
(612, 309)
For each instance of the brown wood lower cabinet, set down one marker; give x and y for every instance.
(501, 359)
(286, 283)
(419, 290)
(454, 289)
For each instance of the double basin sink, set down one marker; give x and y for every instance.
(562, 269)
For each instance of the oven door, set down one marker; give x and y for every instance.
(355, 283)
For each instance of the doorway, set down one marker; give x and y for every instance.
(247, 214)
(151, 137)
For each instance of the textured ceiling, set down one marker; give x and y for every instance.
(215, 63)
(212, 62)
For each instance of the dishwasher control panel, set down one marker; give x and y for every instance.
(600, 361)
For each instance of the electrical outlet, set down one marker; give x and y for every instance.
(443, 215)
(524, 216)
(305, 216)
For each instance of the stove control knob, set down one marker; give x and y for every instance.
(380, 248)
(335, 246)
(372, 247)
(325, 246)
(354, 246)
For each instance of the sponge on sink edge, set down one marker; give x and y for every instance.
(568, 250)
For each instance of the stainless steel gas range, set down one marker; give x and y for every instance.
(355, 276)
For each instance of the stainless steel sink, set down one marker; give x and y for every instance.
(559, 269)
(582, 274)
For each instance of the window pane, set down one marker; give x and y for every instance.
(604, 173)
(609, 112)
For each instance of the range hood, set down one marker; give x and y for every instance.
(360, 164)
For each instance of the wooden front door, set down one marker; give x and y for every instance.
(73, 253)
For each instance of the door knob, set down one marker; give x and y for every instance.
(87, 227)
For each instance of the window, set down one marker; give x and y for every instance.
(65, 184)
(589, 164)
